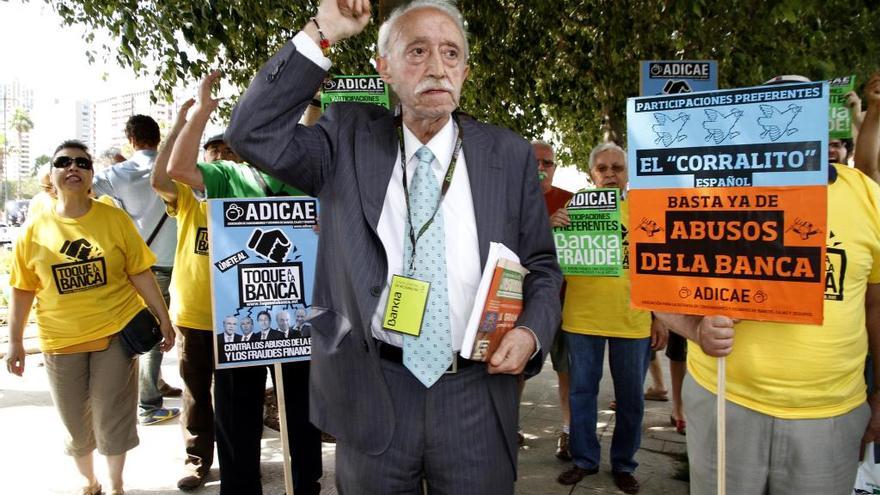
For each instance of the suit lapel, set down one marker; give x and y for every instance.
(376, 151)
(486, 183)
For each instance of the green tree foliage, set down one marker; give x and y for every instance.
(566, 66)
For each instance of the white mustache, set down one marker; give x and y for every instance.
(433, 84)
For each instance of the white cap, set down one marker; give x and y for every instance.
(788, 78)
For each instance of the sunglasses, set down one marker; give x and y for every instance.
(80, 162)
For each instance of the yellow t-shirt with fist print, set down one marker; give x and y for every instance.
(79, 269)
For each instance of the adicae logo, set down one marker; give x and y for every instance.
(234, 212)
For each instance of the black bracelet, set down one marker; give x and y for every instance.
(316, 102)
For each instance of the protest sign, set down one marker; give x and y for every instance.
(728, 202)
(262, 253)
(664, 77)
(754, 253)
(361, 89)
(839, 120)
(591, 244)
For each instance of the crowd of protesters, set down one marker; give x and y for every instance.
(111, 253)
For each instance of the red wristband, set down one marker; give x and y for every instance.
(324, 43)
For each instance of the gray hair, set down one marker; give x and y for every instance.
(605, 147)
(445, 6)
(541, 142)
(111, 153)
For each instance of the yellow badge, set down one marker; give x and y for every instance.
(406, 305)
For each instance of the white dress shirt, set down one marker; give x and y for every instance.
(460, 228)
(462, 246)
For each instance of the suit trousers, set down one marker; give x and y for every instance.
(196, 357)
(448, 434)
(239, 395)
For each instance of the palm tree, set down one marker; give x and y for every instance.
(22, 124)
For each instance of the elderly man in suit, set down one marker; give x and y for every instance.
(418, 193)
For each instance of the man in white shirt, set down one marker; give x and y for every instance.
(128, 183)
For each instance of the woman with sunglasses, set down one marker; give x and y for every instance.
(89, 270)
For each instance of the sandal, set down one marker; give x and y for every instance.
(679, 424)
(94, 489)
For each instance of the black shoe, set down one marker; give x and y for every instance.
(192, 481)
(575, 474)
(626, 482)
(169, 391)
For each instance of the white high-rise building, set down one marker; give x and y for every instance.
(14, 97)
(111, 114)
(85, 122)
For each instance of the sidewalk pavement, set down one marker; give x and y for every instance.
(33, 460)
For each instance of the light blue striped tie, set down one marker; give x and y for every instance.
(430, 354)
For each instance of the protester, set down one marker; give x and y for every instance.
(399, 420)
(44, 200)
(89, 271)
(597, 312)
(109, 157)
(795, 393)
(867, 149)
(190, 311)
(128, 183)
(239, 392)
(555, 199)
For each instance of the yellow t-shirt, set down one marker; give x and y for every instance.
(79, 269)
(42, 202)
(795, 371)
(190, 288)
(600, 305)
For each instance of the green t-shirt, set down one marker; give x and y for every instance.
(226, 179)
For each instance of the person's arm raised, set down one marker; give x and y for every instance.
(183, 166)
(338, 20)
(264, 129)
(867, 153)
(159, 179)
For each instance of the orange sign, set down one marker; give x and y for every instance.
(755, 253)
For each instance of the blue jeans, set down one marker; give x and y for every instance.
(149, 397)
(628, 359)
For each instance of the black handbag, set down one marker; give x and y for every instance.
(141, 333)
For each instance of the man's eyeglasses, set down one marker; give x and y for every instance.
(81, 163)
(546, 163)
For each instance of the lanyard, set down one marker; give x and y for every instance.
(447, 180)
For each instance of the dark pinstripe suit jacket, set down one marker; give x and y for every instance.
(346, 161)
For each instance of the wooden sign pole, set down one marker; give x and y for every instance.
(721, 426)
(282, 420)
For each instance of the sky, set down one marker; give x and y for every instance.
(51, 59)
